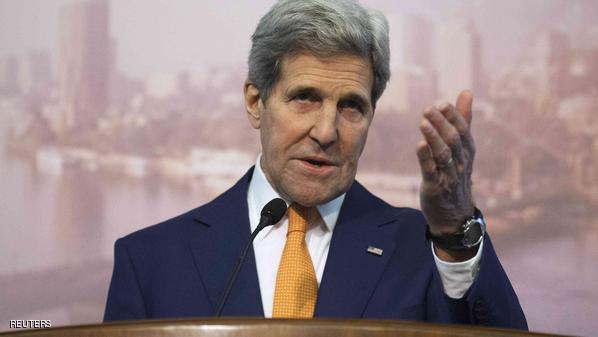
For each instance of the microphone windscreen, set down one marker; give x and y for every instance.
(275, 209)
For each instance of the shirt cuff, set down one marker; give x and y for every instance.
(457, 277)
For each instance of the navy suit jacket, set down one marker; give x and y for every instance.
(179, 268)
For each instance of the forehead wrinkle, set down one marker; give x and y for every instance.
(344, 71)
(307, 65)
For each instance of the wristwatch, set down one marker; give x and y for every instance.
(469, 235)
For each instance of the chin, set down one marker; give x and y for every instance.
(314, 195)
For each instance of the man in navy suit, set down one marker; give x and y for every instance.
(316, 70)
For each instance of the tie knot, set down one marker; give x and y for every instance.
(300, 217)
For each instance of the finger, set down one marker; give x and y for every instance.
(446, 130)
(458, 122)
(426, 161)
(455, 118)
(440, 150)
(464, 105)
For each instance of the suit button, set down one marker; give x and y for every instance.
(480, 312)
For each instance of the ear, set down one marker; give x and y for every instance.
(253, 104)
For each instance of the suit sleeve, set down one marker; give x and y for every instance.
(125, 300)
(490, 300)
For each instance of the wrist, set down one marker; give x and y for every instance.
(451, 225)
(467, 236)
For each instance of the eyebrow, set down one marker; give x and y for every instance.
(302, 89)
(364, 102)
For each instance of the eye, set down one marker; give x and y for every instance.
(351, 110)
(351, 104)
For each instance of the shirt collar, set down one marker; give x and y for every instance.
(261, 192)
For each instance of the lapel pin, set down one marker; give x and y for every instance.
(375, 250)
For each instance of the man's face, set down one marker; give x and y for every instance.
(314, 125)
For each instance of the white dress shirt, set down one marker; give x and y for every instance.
(270, 242)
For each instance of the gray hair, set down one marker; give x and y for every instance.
(324, 28)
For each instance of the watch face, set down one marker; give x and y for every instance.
(472, 233)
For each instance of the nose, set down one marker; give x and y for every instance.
(324, 131)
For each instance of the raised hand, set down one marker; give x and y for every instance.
(446, 159)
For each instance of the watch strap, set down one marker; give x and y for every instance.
(458, 241)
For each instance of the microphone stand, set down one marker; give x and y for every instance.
(233, 277)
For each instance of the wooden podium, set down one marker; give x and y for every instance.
(270, 328)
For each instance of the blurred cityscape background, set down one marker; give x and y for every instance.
(115, 115)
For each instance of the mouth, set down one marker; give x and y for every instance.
(318, 161)
(318, 165)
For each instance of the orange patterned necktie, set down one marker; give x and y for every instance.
(296, 285)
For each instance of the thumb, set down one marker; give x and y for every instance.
(464, 103)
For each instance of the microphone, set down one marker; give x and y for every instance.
(271, 214)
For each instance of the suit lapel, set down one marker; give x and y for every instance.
(352, 273)
(226, 231)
